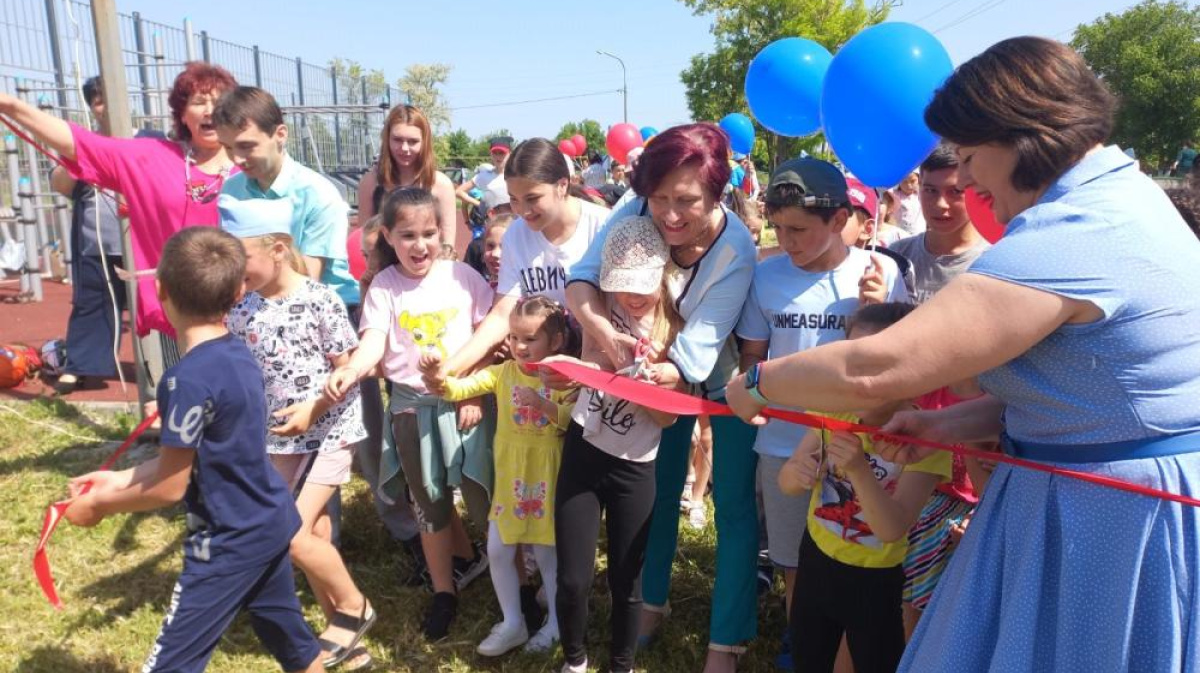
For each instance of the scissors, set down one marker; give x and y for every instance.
(640, 369)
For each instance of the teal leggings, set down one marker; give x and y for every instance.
(734, 618)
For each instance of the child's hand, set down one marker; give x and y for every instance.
(527, 397)
(340, 382)
(150, 408)
(871, 287)
(845, 451)
(555, 381)
(83, 512)
(433, 373)
(100, 480)
(664, 374)
(298, 418)
(800, 473)
(430, 362)
(470, 413)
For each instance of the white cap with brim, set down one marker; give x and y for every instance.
(249, 218)
(634, 257)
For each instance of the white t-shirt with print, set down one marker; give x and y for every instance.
(494, 188)
(794, 310)
(292, 338)
(615, 426)
(533, 265)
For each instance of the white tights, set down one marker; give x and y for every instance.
(502, 560)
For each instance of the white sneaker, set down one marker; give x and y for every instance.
(568, 668)
(698, 516)
(543, 640)
(503, 639)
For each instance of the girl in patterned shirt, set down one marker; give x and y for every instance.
(299, 330)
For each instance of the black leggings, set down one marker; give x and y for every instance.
(832, 598)
(591, 481)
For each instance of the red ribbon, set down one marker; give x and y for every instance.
(54, 514)
(674, 402)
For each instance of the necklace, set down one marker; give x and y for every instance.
(198, 191)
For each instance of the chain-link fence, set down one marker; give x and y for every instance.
(47, 51)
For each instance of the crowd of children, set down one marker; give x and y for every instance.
(263, 416)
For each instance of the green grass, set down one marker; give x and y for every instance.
(116, 578)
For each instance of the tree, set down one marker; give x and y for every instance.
(422, 85)
(714, 82)
(359, 131)
(1149, 56)
(590, 129)
(353, 79)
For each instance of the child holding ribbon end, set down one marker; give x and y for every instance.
(527, 450)
(850, 577)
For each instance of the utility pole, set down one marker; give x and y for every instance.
(624, 84)
(120, 124)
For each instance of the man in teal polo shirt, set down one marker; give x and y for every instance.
(250, 125)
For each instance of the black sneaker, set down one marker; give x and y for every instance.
(466, 570)
(420, 571)
(440, 616)
(531, 609)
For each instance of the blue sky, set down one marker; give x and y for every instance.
(521, 49)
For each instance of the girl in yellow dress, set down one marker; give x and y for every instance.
(531, 421)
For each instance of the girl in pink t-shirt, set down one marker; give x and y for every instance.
(418, 304)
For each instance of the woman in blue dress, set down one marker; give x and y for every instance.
(1082, 325)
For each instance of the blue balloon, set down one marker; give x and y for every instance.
(648, 132)
(874, 99)
(740, 130)
(783, 86)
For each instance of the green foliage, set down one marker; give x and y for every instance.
(1150, 58)
(353, 79)
(457, 148)
(422, 84)
(714, 82)
(590, 129)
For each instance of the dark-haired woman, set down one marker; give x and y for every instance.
(679, 179)
(552, 231)
(1081, 326)
(167, 184)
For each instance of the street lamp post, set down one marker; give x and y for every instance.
(624, 83)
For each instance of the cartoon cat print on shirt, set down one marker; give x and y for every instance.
(427, 329)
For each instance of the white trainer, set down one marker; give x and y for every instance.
(503, 639)
(543, 640)
(568, 668)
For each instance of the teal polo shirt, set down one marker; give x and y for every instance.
(321, 219)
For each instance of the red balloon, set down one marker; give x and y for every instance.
(567, 147)
(980, 211)
(580, 144)
(621, 139)
(354, 253)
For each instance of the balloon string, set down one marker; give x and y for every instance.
(36, 145)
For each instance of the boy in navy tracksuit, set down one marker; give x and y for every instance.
(240, 516)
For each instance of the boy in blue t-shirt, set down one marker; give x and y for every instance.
(240, 515)
(799, 300)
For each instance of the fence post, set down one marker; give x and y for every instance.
(147, 353)
(41, 241)
(56, 52)
(257, 67)
(29, 236)
(189, 39)
(139, 41)
(204, 51)
(303, 116)
(62, 213)
(15, 188)
(337, 125)
(160, 76)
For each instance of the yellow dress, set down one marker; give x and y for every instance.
(527, 451)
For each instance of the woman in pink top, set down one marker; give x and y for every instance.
(167, 184)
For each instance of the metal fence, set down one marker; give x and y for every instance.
(47, 50)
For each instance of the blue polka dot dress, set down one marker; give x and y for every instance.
(1056, 574)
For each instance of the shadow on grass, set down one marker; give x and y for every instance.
(55, 659)
(147, 582)
(74, 459)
